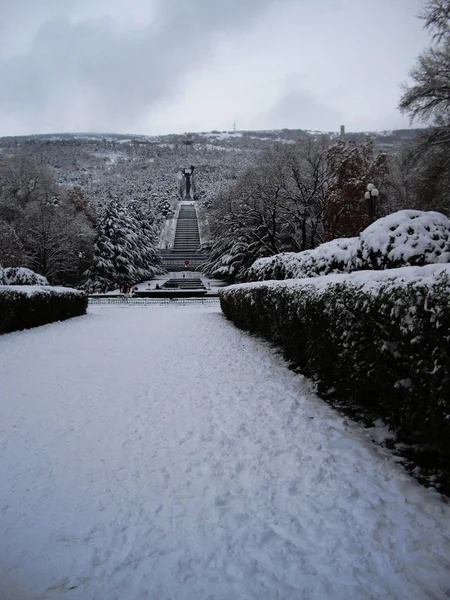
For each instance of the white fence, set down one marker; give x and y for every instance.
(144, 301)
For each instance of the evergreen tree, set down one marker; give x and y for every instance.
(147, 260)
(124, 251)
(115, 250)
(231, 255)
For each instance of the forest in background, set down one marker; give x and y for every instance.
(60, 194)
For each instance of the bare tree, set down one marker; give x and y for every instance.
(54, 237)
(11, 249)
(427, 173)
(352, 167)
(437, 18)
(51, 224)
(277, 205)
(305, 178)
(399, 187)
(428, 99)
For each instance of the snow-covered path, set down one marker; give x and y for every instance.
(158, 452)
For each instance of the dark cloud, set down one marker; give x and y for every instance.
(100, 76)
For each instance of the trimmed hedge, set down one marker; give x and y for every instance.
(21, 276)
(23, 307)
(405, 238)
(332, 257)
(402, 239)
(377, 340)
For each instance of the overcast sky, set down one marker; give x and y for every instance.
(167, 66)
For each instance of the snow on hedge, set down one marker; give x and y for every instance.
(367, 281)
(30, 290)
(407, 237)
(333, 257)
(21, 276)
(404, 238)
(26, 306)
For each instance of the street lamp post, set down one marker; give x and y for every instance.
(80, 257)
(371, 197)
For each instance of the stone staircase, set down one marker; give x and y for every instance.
(185, 283)
(185, 253)
(187, 237)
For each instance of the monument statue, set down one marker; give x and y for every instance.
(187, 184)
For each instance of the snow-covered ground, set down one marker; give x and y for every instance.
(158, 452)
(167, 233)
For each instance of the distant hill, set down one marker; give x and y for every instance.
(131, 165)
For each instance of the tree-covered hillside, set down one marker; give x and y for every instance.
(57, 191)
(140, 166)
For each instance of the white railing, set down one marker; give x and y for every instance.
(141, 301)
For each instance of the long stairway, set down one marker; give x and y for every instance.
(185, 253)
(187, 237)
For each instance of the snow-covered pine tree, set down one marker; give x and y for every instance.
(232, 253)
(116, 252)
(147, 260)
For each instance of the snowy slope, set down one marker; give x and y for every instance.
(160, 453)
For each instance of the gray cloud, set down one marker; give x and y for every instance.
(93, 74)
(149, 66)
(298, 109)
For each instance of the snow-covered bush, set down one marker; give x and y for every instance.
(23, 307)
(22, 276)
(373, 339)
(404, 238)
(407, 237)
(332, 257)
